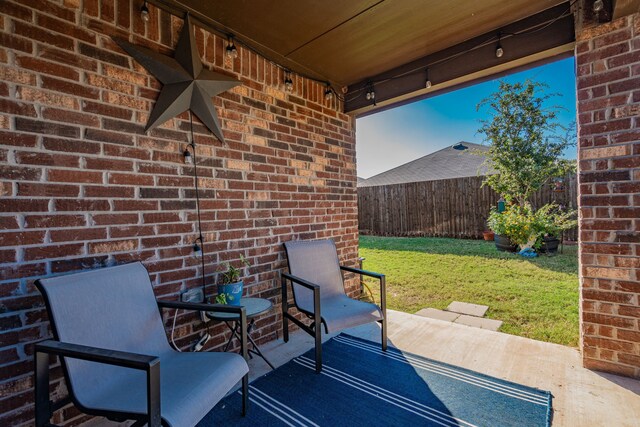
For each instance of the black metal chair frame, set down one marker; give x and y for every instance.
(44, 407)
(316, 317)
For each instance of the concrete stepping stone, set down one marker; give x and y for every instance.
(478, 322)
(468, 309)
(433, 313)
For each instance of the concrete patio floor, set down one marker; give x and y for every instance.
(580, 397)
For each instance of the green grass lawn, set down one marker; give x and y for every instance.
(535, 298)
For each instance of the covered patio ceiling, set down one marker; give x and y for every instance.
(391, 43)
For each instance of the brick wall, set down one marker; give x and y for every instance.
(82, 185)
(608, 71)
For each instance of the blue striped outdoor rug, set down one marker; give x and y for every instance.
(362, 385)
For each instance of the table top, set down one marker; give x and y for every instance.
(253, 307)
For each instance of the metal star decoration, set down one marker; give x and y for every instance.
(187, 85)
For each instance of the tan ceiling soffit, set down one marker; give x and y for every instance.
(179, 9)
(625, 7)
(469, 79)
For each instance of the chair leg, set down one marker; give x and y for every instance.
(285, 311)
(285, 326)
(318, 337)
(43, 411)
(245, 394)
(384, 334)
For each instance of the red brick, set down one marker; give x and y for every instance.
(22, 205)
(37, 33)
(70, 88)
(113, 246)
(21, 173)
(37, 126)
(66, 116)
(46, 159)
(602, 319)
(53, 251)
(626, 335)
(47, 67)
(14, 42)
(16, 139)
(63, 175)
(18, 108)
(78, 235)
(629, 359)
(108, 164)
(107, 110)
(51, 9)
(38, 189)
(70, 146)
(16, 10)
(624, 310)
(54, 221)
(66, 28)
(114, 219)
(108, 191)
(83, 205)
(130, 179)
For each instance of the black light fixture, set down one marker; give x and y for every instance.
(231, 51)
(499, 49)
(598, 5)
(427, 83)
(288, 81)
(144, 12)
(328, 92)
(197, 250)
(371, 93)
(188, 158)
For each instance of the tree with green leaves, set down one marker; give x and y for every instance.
(526, 139)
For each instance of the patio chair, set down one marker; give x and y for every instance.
(116, 359)
(318, 292)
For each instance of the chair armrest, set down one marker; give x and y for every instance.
(317, 317)
(223, 308)
(363, 272)
(95, 354)
(149, 364)
(383, 284)
(300, 281)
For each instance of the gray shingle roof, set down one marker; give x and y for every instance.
(450, 162)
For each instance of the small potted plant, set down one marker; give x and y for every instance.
(230, 286)
(552, 220)
(501, 223)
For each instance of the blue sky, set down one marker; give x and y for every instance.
(394, 137)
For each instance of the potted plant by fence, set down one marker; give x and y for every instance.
(527, 144)
(552, 220)
(526, 228)
(513, 227)
(230, 286)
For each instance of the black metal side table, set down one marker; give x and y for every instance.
(253, 307)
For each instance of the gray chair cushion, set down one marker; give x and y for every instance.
(341, 312)
(115, 308)
(190, 385)
(316, 261)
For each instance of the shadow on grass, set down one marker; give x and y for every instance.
(566, 262)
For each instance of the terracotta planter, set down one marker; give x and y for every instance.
(488, 235)
(504, 244)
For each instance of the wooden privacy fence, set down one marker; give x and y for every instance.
(456, 207)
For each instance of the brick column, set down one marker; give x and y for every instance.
(608, 79)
